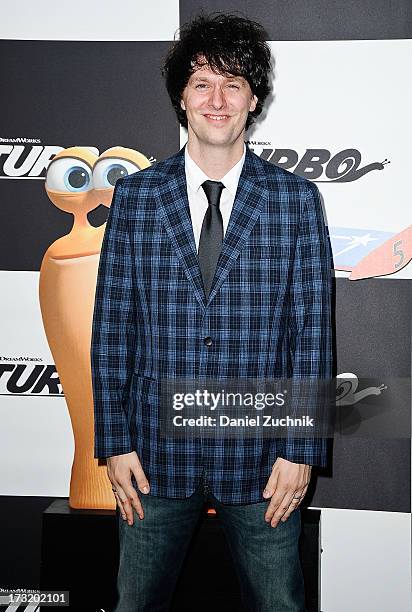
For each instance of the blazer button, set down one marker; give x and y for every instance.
(208, 341)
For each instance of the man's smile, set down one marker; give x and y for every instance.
(216, 117)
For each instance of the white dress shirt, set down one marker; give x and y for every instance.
(198, 203)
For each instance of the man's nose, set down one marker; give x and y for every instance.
(217, 98)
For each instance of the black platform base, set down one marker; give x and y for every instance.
(80, 555)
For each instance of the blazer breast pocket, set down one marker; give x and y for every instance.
(263, 252)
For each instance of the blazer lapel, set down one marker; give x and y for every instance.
(173, 205)
(251, 197)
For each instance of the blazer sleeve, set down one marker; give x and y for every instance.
(113, 334)
(310, 328)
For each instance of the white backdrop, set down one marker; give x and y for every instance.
(338, 95)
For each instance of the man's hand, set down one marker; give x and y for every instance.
(287, 481)
(119, 470)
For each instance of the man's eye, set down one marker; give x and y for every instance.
(201, 85)
(234, 86)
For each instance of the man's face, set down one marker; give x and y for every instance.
(216, 106)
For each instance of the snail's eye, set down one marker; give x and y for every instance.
(108, 170)
(69, 174)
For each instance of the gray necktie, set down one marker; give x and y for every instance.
(211, 235)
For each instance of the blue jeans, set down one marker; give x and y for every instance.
(152, 552)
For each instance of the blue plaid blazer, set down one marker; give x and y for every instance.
(268, 314)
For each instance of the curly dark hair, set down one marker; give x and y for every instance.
(230, 45)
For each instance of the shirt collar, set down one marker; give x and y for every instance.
(195, 175)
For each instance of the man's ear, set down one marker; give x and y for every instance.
(182, 104)
(253, 103)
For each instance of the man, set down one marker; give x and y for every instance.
(214, 264)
